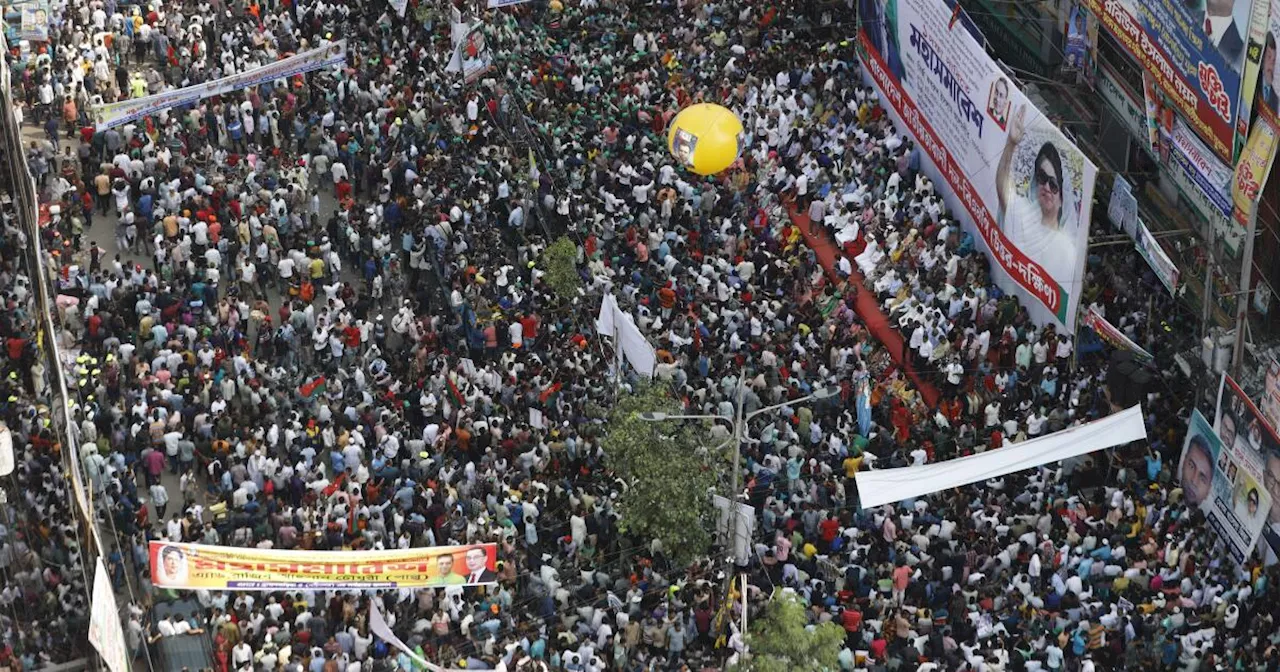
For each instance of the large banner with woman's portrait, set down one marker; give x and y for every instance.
(1254, 441)
(1016, 182)
(196, 566)
(1222, 482)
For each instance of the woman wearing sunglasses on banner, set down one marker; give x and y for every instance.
(1033, 223)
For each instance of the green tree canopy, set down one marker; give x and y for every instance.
(778, 640)
(668, 494)
(560, 261)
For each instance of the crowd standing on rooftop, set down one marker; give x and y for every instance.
(325, 314)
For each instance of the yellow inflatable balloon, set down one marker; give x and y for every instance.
(705, 138)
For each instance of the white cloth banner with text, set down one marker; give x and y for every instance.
(122, 112)
(886, 486)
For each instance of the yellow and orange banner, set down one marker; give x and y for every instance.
(1254, 168)
(198, 566)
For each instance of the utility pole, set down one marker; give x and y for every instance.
(1207, 297)
(1242, 302)
(735, 486)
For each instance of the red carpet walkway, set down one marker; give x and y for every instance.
(868, 307)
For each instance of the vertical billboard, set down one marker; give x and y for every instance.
(1195, 51)
(1217, 478)
(1253, 441)
(1022, 188)
(1268, 85)
(1254, 167)
(1253, 170)
(1081, 49)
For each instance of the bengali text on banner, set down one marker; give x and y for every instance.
(1256, 447)
(1223, 483)
(1016, 182)
(1200, 71)
(197, 566)
(1109, 333)
(125, 111)
(1253, 169)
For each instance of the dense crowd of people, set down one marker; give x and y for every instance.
(326, 323)
(43, 598)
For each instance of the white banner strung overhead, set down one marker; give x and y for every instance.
(115, 114)
(496, 4)
(886, 486)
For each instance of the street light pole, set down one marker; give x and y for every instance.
(739, 422)
(739, 428)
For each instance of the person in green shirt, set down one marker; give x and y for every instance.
(446, 577)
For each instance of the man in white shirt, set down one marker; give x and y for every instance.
(285, 269)
(165, 628)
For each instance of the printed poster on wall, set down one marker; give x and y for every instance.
(1195, 50)
(1021, 187)
(1151, 104)
(1256, 446)
(1082, 45)
(35, 22)
(1210, 175)
(1218, 479)
(1122, 210)
(23, 20)
(196, 566)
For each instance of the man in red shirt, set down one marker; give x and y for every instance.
(829, 529)
(15, 347)
(529, 328)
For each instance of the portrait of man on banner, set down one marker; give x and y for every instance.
(1077, 39)
(1267, 75)
(446, 576)
(998, 102)
(1245, 431)
(173, 567)
(1222, 29)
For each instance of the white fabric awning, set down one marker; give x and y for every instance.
(885, 486)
